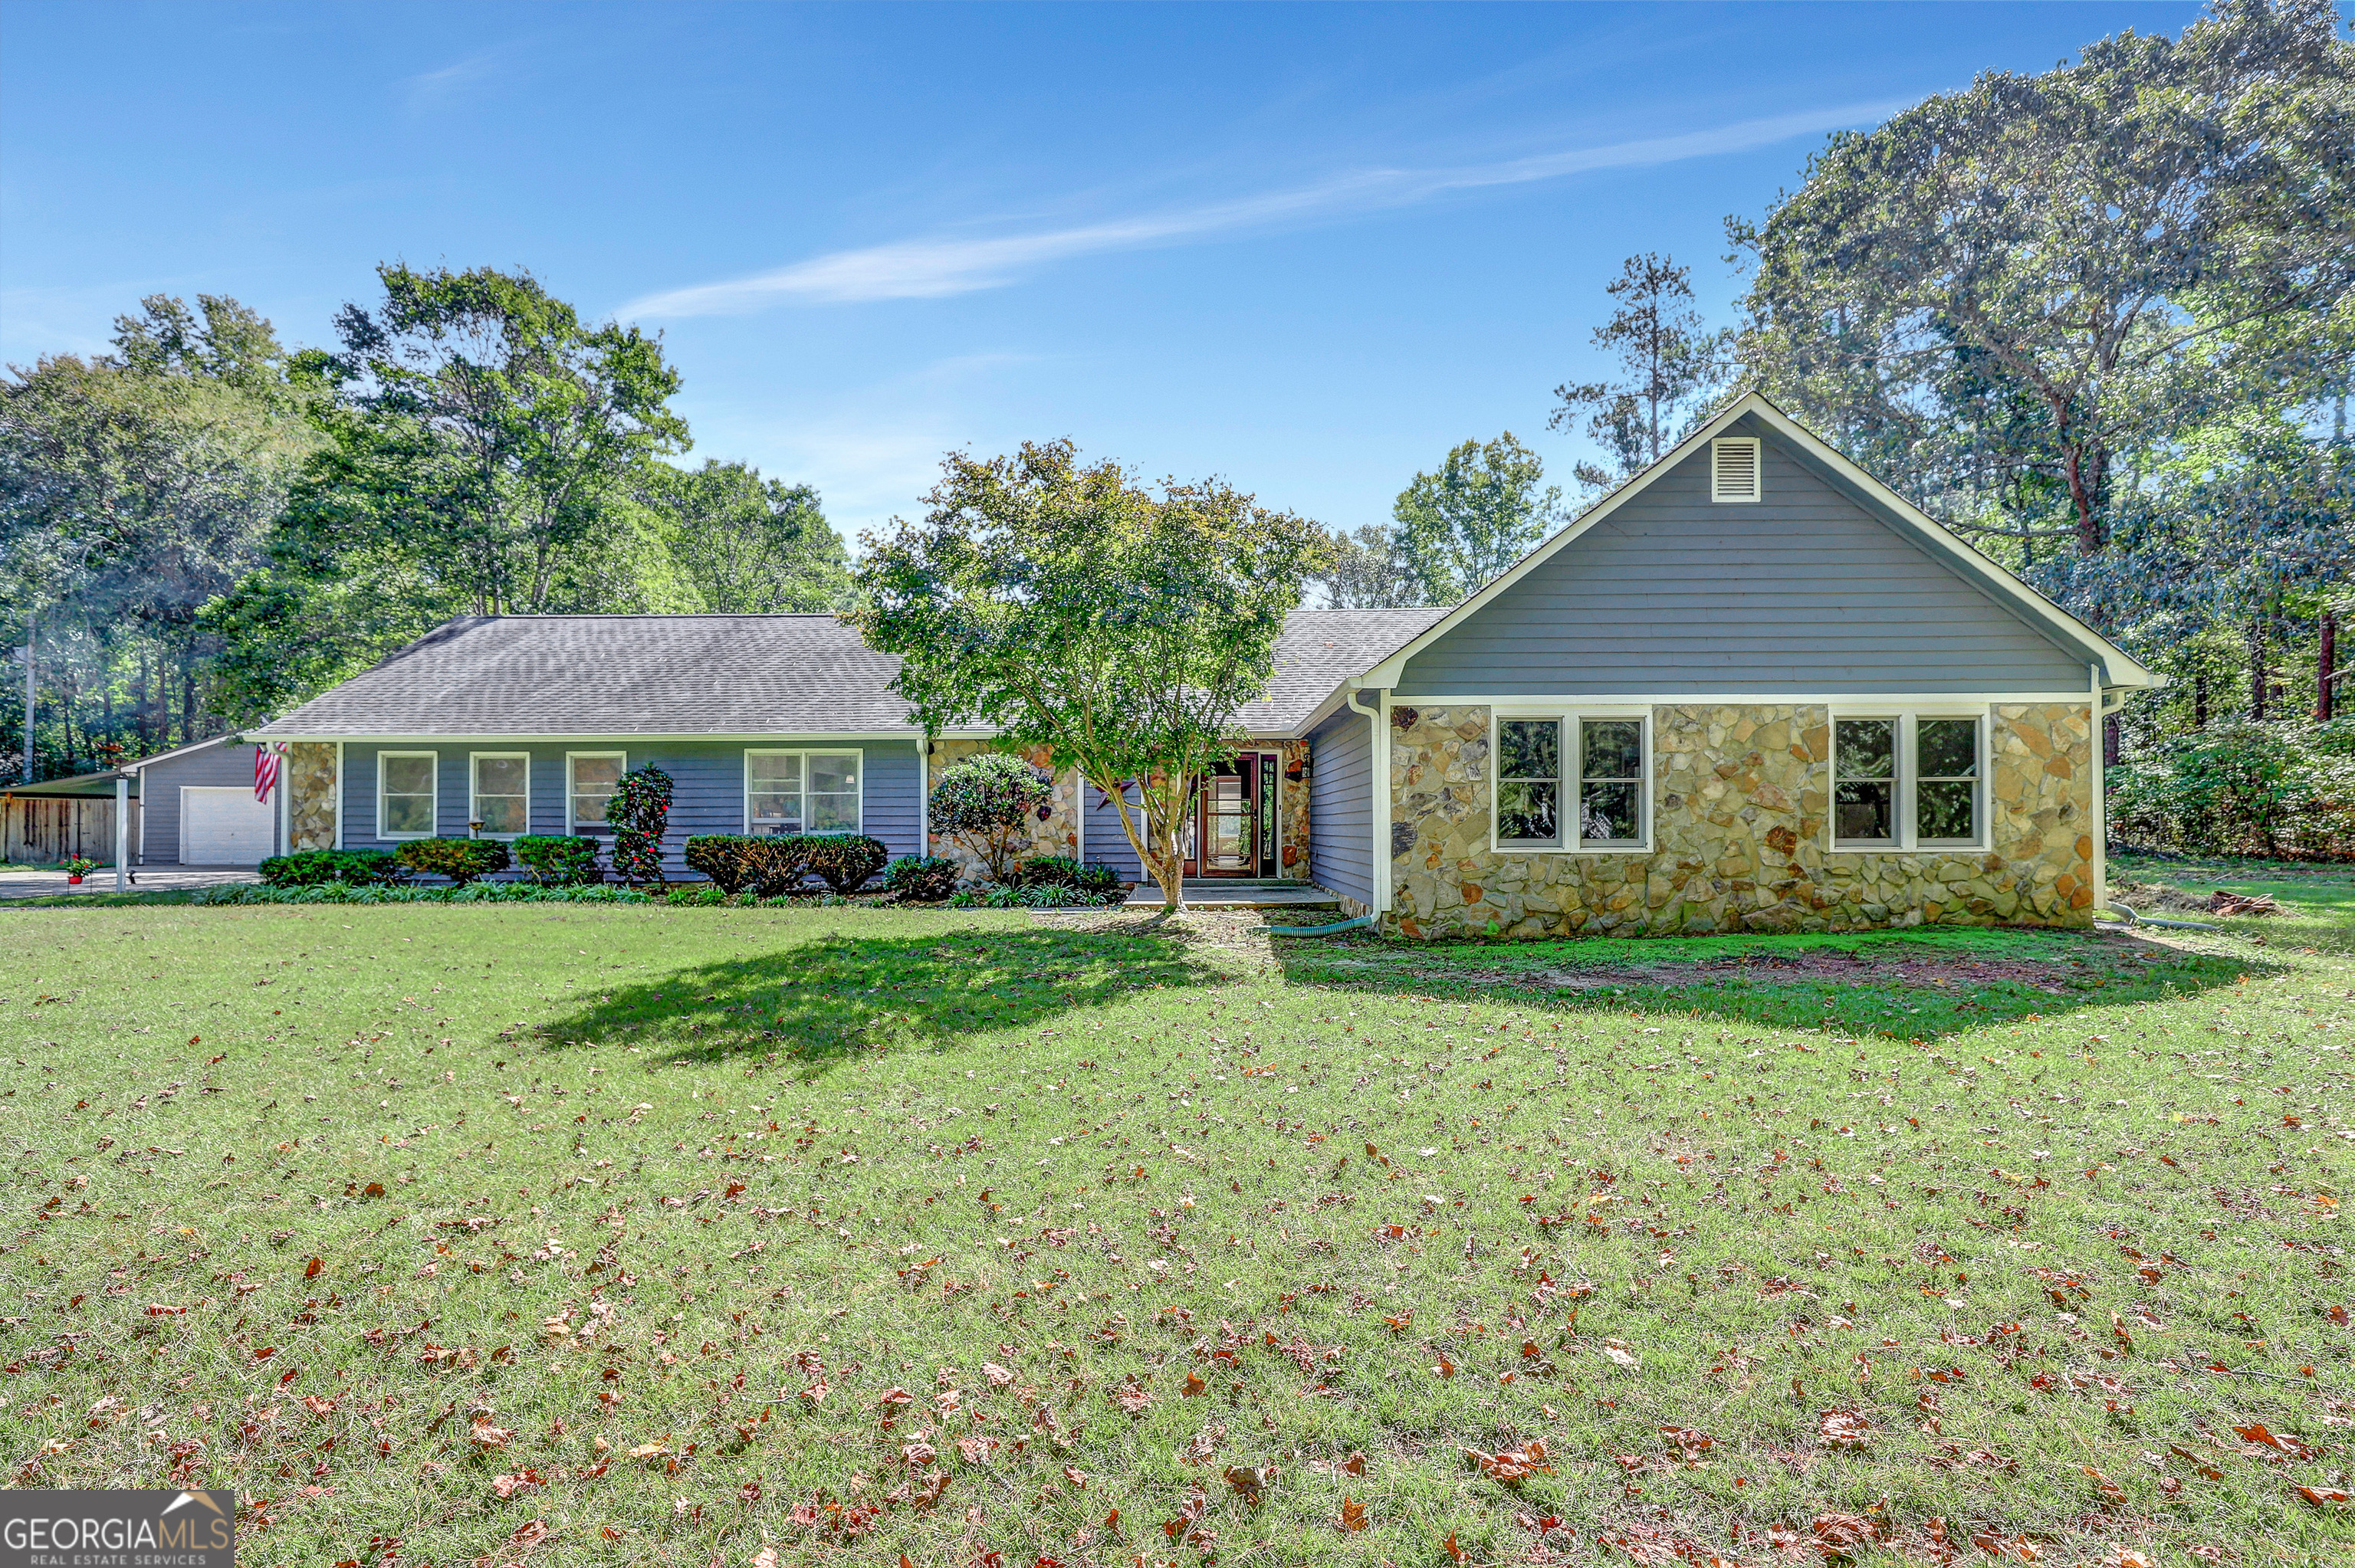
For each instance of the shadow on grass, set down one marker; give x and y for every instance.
(824, 1000)
(1910, 985)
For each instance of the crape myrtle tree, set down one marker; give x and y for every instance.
(1070, 608)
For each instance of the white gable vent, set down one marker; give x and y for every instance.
(1734, 469)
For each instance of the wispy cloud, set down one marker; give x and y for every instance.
(429, 87)
(934, 268)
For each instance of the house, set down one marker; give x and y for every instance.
(1750, 689)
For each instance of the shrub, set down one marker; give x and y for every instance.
(639, 813)
(2249, 787)
(374, 893)
(986, 803)
(844, 861)
(558, 860)
(1062, 870)
(313, 868)
(922, 879)
(748, 862)
(460, 860)
(1042, 897)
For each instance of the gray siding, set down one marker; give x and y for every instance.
(1803, 591)
(1106, 844)
(708, 796)
(215, 767)
(1341, 806)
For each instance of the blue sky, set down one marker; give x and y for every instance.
(1308, 249)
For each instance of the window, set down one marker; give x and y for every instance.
(1528, 781)
(801, 792)
(1906, 782)
(1864, 781)
(593, 775)
(1610, 781)
(502, 794)
(405, 803)
(1587, 770)
(1733, 466)
(1947, 785)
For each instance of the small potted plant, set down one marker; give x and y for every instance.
(78, 867)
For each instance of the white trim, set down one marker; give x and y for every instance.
(805, 753)
(1905, 777)
(1572, 779)
(474, 791)
(2123, 670)
(571, 828)
(282, 826)
(2100, 830)
(338, 840)
(1718, 492)
(1384, 890)
(184, 750)
(433, 809)
(1750, 699)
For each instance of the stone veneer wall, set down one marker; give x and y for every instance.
(1739, 800)
(1059, 835)
(1292, 832)
(311, 794)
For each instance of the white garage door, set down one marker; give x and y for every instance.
(223, 827)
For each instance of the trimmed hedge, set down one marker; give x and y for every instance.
(844, 861)
(460, 860)
(922, 879)
(768, 864)
(559, 860)
(316, 868)
(747, 863)
(468, 893)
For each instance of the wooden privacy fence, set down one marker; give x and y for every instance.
(45, 831)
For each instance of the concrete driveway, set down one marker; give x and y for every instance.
(24, 882)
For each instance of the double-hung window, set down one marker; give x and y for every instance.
(1908, 782)
(802, 792)
(1575, 782)
(405, 794)
(591, 778)
(502, 794)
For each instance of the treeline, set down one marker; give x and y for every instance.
(201, 528)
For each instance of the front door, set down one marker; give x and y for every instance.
(1234, 818)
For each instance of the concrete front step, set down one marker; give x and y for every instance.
(1241, 892)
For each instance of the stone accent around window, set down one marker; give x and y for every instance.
(311, 794)
(1059, 833)
(1738, 798)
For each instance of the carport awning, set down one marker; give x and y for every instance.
(81, 786)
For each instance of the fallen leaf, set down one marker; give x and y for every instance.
(1353, 1514)
(1843, 1429)
(1250, 1480)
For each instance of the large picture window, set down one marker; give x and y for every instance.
(1907, 781)
(802, 792)
(593, 776)
(502, 794)
(405, 796)
(1573, 782)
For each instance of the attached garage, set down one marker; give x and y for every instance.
(224, 826)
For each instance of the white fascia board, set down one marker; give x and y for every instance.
(175, 751)
(2119, 668)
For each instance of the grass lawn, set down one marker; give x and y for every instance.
(564, 1234)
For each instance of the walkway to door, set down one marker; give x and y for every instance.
(1241, 892)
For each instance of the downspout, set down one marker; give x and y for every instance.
(121, 831)
(1378, 766)
(2107, 700)
(925, 793)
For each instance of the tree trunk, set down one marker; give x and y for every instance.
(2258, 678)
(2326, 667)
(2200, 699)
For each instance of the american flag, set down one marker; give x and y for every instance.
(265, 770)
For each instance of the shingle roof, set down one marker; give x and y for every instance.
(616, 674)
(1319, 650)
(727, 675)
